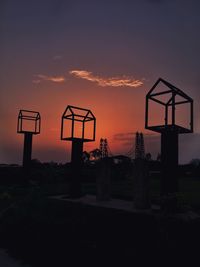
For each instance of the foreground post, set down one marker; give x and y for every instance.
(171, 101)
(29, 123)
(141, 185)
(141, 175)
(79, 126)
(103, 180)
(28, 137)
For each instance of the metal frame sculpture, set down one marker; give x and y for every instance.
(71, 113)
(173, 92)
(28, 115)
(169, 132)
(82, 115)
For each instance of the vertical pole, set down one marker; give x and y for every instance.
(173, 109)
(94, 130)
(103, 180)
(27, 150)
(76, 164)
(36, 125)
(169, 162)
(83, 130)
(146, 113)
(166, 115)
(61, 133)
(141, 198)
(191, 116)
(72, 130)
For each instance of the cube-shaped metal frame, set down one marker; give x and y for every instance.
(74, 116)
(173, 91)
(31, 116)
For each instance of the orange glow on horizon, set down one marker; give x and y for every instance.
(117, 111)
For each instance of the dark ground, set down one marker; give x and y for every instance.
(96, 235)
(42, 231)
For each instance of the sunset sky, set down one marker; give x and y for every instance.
(101, 55)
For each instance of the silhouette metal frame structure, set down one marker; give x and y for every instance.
(73, 113)
(76, 114)
(169, 138)
(172, 92)
(30, 116)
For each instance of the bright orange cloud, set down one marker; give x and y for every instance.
(113, 81)
(56, 79)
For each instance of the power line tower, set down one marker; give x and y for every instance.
(142, 146)
(103, 147)
(141, 177)
(139, 146)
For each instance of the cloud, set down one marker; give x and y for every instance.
(130, 136)
(113, 81)
(55, 79)
(124, 136)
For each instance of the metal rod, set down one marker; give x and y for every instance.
(72, 133)
(191, 116)
(161, 93)
(83, 130)
(173, 108)
(166, 115)
(158, 101)
(146, 112)
(181, 102)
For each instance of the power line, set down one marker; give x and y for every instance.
(136, 150)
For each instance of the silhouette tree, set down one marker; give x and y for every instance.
(195, 162)
(86, 156)
(158, 157)
(148, 156)
(96, 154)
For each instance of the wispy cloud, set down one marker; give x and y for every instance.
(124, 136)
(112, 81)
(55, 79)
(130, 136)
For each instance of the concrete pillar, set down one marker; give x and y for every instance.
(27, 150)
(76, 166)
(141, 185)
(103, 180)
(169, 171)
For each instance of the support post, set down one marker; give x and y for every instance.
(141, 185)
(76, 165)
(169, 163)
(27, 150)
(103, 180)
